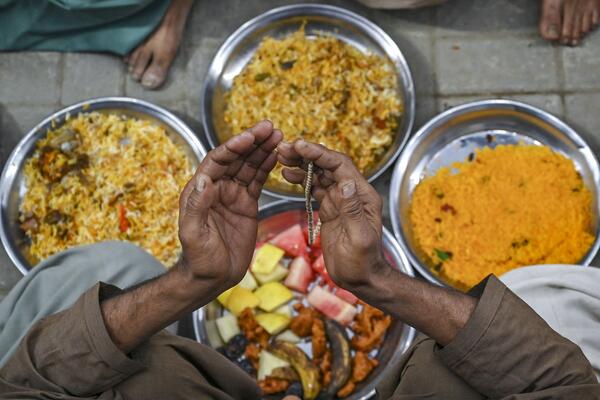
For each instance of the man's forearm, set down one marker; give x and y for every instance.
(139, 313)
(437, 312)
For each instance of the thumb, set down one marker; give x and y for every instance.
(351, 206)
(200, 199)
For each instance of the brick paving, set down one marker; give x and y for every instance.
(462, 51)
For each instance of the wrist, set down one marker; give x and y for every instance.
(200, 288)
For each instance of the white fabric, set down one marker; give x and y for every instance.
(568, 298)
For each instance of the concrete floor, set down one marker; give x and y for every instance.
(464, 50)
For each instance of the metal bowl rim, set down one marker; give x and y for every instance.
(408, 331)
(18, 154)
(374, 30)
(400, 168)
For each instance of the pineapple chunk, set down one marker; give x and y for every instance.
(267, 362)
(288, 336)
(275, 276)
(284, 310)
(248, 282)
(273, 295)
(227, 327)
(266, 259)
(241, 298)
(273, 323)
(223, 297)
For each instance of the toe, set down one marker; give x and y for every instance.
(576, 32)
(155, 75)
(586, 22)
(550, 19)
(140, 64)
(569, 15)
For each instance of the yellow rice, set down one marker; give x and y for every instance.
(132, 164)
(512, 206)
(320, 89)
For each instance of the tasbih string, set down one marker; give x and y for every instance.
(313, 231)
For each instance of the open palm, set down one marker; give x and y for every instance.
(218, 207)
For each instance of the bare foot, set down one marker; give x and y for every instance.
(151, 60)
(568, 20)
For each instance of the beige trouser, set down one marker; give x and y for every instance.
(400, 4)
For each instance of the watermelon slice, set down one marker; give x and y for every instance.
(346, 295)
(331, 306)
(300, 275)
(291, 240)
(319, 267)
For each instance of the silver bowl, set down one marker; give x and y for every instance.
(239, 48)
(276, 217)
(454, 134)
(12, 183)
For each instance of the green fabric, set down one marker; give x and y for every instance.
(115, 26)
(56, 283)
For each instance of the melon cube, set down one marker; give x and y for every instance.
(273, 323)
(266, 259)
(273, 295)
(241, 298)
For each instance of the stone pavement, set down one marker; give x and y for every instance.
(462, 51)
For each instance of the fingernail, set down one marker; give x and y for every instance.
(200, 183)
(301, 142)
(553, 31)
(348, 189)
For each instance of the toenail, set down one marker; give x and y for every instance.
(553, 31)
(150, 80)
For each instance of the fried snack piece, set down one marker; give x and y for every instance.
(252, 354)
(362, 366)
(251, 329)
(370, 326)
(347, 389)
(319, 340)
(325, 367)
(273, 385)
(302, 323)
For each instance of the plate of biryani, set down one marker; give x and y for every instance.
(320, 73)
(494, 185)
(292, 329)
(104, 169)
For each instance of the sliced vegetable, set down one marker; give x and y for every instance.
(288, 336)
(346, 295)
(443, 255)
(223, 297)
(332, 306)
(291, 241)
(300, 275)
(248, 281)
(267, 362)
(273, 323)
(227, 326)
(212, 333)
(241, 298)
(308, 373)
(275, 276)
(123, 222)
(341, 367)
(266, 259)
(273, 295)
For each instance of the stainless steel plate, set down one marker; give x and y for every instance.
(12, 183)
(239, 48)
(280, 215)
(454, 134)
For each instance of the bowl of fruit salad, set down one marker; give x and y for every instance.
(290, 327)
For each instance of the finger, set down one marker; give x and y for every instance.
(297, 176)
(288, 155)
(217, 161)
(255, 187)
(253, 162)
(197, 205)
(350, 204)
(340, 165)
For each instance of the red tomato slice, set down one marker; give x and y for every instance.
(291, 241)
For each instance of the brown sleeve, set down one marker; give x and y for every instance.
(506, 349)
(70, 352)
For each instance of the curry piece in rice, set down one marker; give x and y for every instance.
(104, 177)
(503, 208)
(320, 89)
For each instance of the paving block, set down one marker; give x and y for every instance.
(200, 56)
(471, 66)
(426, 108)
(417, 48)
(468, 17)
(415, 20)
(582, 114)
(582, 64)
(30, 78)
(549, 102)
(9, 275)
(87, 76)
